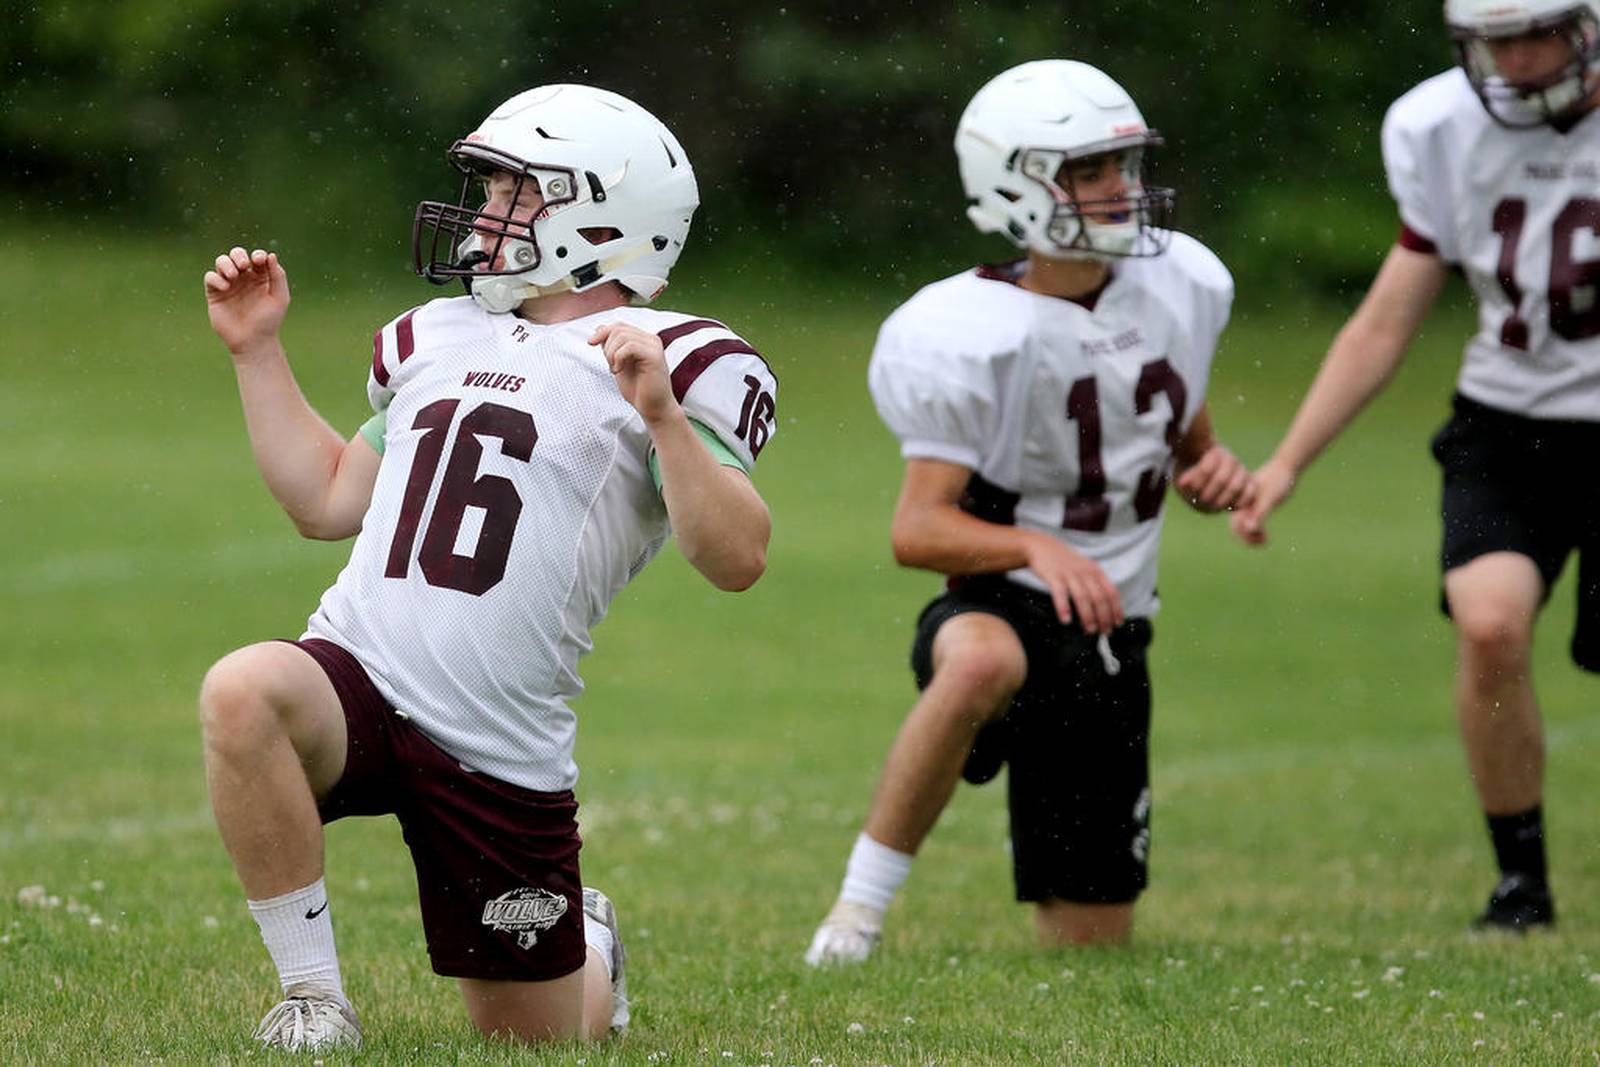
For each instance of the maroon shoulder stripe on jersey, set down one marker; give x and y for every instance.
(405, 340)
(696, 362)
(683, 329)
(1413, 241)
(380, 373)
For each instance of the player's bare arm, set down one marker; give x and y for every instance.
(720, 522)
(932, 532)
(323, 482)
(1361, 360)
(1210, 477)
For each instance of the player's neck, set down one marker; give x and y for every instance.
(1066, 278)
(564, 307)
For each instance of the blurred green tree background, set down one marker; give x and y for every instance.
(820, 129)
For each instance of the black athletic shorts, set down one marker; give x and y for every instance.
(1077, 739)
(1514, 484)
(497, 864)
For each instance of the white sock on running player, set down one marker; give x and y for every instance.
(298, 933)
(874, 874)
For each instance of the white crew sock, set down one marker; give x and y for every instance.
(298, 933)
(874, 874)
(597, 935)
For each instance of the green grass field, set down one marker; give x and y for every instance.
(1317, 850)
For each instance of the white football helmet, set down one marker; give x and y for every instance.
(1475, 23)
(618, 195)
(1017, 135)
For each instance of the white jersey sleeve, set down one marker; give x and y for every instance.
(1414, 132)
(720, 379)
(937, 393)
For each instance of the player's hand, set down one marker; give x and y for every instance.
(1078, 586)
(1274, 482)
(639, 364)
(1217, 481)
(247, 295)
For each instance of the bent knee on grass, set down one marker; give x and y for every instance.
(568, 1008)
(1064, 924)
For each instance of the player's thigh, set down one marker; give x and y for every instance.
(276, 684)
(980, 656)
(1495, 598)
(551, 1010)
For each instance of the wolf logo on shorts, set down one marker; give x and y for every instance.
(524, 912)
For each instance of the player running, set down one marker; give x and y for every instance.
(1495, 166)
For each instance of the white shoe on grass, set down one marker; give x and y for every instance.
(310, 1020)
(598, 906)
(848, 935)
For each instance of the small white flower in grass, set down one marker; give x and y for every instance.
(1479, 1043)
(97, 886)
(1069, 974)
(1296, 983)
(1557, 1015)
(1258, 989)
(1263, 1003)
(909, 1021)
(952, 961)
(33, 896)
(1435, 994)
(1041, 988)
(1171, 962)
(1362, 994)
(725, 1055)
(1478, 1015)
(210, 922)
(1522, 1002)
(855, 1028)
(1150, 981)
(1393, 974)
(1328, 1010)
(95, 920)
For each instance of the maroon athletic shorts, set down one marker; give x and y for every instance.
(497, 865)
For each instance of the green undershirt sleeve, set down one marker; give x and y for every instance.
(721, 452)
(373, 429)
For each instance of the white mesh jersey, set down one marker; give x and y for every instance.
(514, 500)
(1519, 212)
(1067, 416)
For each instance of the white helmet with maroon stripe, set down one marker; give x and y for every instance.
(618, 194)
(1565, 92)
(1017, 135)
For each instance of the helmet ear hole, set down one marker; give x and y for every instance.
(599, 235)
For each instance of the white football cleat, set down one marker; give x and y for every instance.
(310, 1020)
(598, 906)
(848, 935)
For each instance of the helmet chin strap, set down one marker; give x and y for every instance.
(500, 293)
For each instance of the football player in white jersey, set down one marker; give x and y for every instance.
(533, 444)
(1042, 408)
(1495, 166)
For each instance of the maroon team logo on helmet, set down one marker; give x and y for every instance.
(524, 912)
